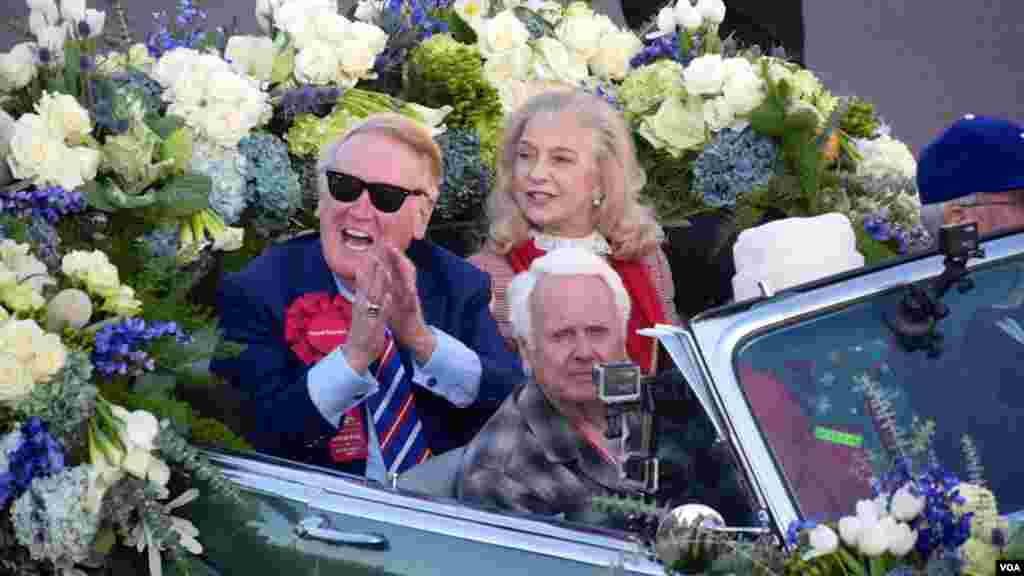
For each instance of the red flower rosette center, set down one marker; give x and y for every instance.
(315, 324)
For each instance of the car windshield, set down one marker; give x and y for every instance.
(837, 396)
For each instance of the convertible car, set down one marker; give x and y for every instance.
(808, 391)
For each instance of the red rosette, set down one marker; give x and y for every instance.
(315, 324)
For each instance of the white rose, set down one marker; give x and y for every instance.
(88, 161)
(67, 171)
(687, 16)
(705, 75)
(905, 505)
(718, 114)
(251, 56)
(21, 338)
(158, 472)
(316, 64)
(49, 358)
(16, 381)
(901, 539)
(556, 62)
(581, 34)
(136, 462)
(503, 32)
(33, 149)
(868, 512)
(64, 116)
(22, 298)
(293, 18)
(73, 10)
(141, 428)
(356, 60)
(612, 59)
(712, 11)
(330, 27)
(122, 302)
(743, 89)
(509, 65)
(373, 36)
(578, 9)
(666, 21)
(17, 67)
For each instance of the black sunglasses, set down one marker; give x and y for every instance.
(384, 197)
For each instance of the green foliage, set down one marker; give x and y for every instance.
(874, 251)
(118, 391)
(668, 183)
(14, 228)
(860, 120)
(104, 194)
(183, 196)
(443, 72)
(210, 432)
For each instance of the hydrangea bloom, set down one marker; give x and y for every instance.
(229, 196)
(272, 186)
(733, 163)
(50, 521)
(467, 180)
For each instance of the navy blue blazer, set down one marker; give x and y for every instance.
(454, 296)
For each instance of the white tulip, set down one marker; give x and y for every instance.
(73, 10)
(868, 512)
(849, 530)
(158, 472)
(666, 23)
(47, 9)
(264, 15)
(142, 429)
(823, 541)
(901, 539)
(874, 538)
(905, 505)
(687, 16)
(712, 11)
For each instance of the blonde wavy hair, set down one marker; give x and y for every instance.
(629, 226)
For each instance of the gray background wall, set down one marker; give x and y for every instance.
(922, 62)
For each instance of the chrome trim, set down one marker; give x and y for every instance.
(328, 491)
(719, 334)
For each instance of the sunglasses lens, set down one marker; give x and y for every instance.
(343, 187)
(386, 198)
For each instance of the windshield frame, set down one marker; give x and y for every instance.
(721, 335)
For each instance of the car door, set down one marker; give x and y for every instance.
(304, 520)
(821, 386)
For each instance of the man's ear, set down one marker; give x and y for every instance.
(424, 211)
(953, 213)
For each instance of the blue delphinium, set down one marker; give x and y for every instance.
(272, 184)
(119, 347)
(883, 228)
(733, 163)
(49, 204)
(669, 46)
(36, 454)
(170, 35)
(795, 528)
(407, 19)
(307, 99)
(467, 180)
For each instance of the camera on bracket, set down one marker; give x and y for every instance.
(626, 394)
(959, 242)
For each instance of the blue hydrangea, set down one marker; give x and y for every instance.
(229, 196)
(733, 163)
(162, 241)
(467, 180)
(51, 521)
(271, 184)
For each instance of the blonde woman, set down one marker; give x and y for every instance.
(568, 175)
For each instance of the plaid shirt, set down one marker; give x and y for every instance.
(528, 458)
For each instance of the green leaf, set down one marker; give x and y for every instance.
(184, 195)
(105, 195)
(56, 84)
(460, 29)
(855, 565)
(73, 68)
(155, 385)
(164, 126)
(96, 197)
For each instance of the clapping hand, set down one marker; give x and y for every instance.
(367, 338)
(405, 313)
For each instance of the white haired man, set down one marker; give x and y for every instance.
(544, 451)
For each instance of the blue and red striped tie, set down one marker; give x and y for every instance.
(393, 410)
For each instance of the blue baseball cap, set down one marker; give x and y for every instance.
(975, 154)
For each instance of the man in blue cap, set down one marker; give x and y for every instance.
(974, 172)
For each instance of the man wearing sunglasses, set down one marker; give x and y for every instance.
(369, 349)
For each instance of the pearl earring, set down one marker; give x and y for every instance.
(597, 200)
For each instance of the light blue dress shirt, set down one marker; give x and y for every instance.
(452, 372)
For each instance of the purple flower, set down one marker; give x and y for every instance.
(797, 526)
(38, 455)
(50, 204)
(119, 348)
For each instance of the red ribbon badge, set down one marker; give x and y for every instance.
(315, 324)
